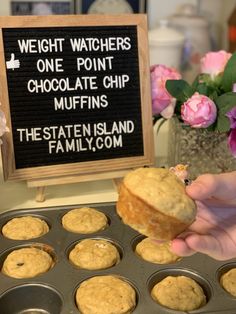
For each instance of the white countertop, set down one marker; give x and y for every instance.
(17, 195)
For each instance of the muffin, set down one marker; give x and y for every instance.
(24, 228)
(154, 252)
(27, 263)
(153, 201)
(228, 281)
(94, 254)
(179, 293)
(105, 295)
(84, 220)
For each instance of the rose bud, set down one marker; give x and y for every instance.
(213, 63)
(199, 111)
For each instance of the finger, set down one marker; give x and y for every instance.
(158, 241)
(210, 186)
(181, 248)
(203, 187)
(206, 244)
(12, 56)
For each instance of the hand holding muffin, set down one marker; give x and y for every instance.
(214, 230)
(153, 201)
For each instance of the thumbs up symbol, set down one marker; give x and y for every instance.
(13, 63)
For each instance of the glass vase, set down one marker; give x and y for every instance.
(204, 151)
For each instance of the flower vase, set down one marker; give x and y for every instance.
(204, 151)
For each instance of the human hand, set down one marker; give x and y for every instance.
(13, 63)
(214, 230)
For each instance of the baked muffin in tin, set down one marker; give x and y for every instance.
(94, 254)
(106, 294)
(179, 293)
(27, 263)
(154, 252)
(25, 228)
(228, 281)
(84, 220)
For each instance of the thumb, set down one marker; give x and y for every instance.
(12, 57)
(215, 186)
(204, 187)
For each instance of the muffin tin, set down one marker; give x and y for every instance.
(54, 292)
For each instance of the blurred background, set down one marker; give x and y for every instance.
(180, 31)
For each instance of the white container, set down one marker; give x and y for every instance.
(166, 45)
(197, 38)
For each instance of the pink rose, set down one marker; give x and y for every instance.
(161, 99)
(214, 63)
(199, 111)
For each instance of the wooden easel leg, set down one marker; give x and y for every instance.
(40, 195)
(116, 183)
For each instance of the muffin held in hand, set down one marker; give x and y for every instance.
(153, 201)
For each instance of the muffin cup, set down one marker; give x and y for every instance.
(31, 298)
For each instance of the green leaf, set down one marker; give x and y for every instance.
(208, 91)
(229, 76)
(196, 81)
(222, 124)
(212, 127)
(207, 86)
(224, 104)
(203, 89)
(178, 108)
(179, 89)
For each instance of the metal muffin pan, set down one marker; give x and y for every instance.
(54, 291)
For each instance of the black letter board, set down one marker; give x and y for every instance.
(76, 95)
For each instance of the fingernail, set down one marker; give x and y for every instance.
(187, 182)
